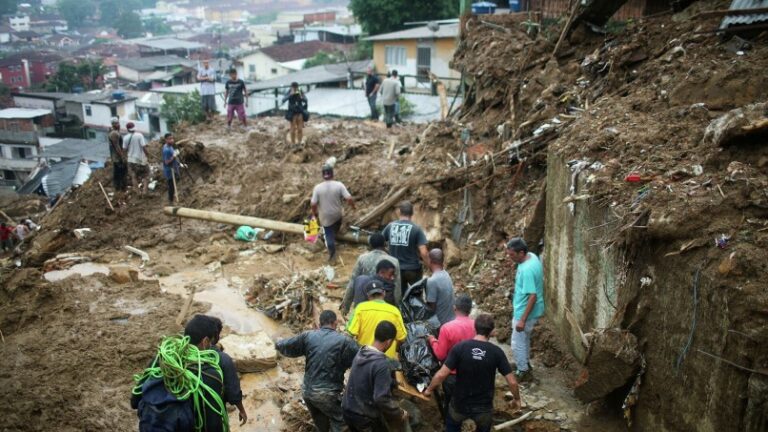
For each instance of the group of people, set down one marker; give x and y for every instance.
(389, 89)
(396, 260)
(10, 235)
(236, 100)
(129, 156)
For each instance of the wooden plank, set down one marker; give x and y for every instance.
(382, 208)
(407, 389)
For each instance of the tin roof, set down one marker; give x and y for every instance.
(745, 19)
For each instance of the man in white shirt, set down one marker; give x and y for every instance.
(206, 75)
(390, 93)
(135, 148)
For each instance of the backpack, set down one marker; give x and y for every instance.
(161, 411)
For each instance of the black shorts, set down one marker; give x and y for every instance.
(209, 103)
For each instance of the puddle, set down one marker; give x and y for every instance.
(227, 302)
(84, 269)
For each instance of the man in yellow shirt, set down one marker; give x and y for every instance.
(367, 315)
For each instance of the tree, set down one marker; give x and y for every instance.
(7, 6)
(75, 12)
(110, 10)
(383, 16)
(182, 108)
(90, 71)
(323, 58)
(129, 25)
(65, 79)
(157, 26)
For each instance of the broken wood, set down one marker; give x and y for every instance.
(106, 197)
(7, 218)
(232, 219)
(406, 388)
(392, 142)
(518, 420)
(566, 29)
(382, 208)
(187, 305)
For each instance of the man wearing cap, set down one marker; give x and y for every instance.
(368, 314)
(117, 156)
(206, 75)
(407, 243)
(366, 266)
(327, 200)
(135, 148)
(527, 302)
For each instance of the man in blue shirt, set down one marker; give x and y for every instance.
(527, 302)
(170, 165)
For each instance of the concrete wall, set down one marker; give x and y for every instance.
(36, 103)
(579, 277)
(442, 53)
(265, 67)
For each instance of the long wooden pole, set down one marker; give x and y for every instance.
(232, 219)
(105, 196)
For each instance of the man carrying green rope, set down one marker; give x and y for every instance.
(184, 389)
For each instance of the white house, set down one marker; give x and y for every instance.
(279, 60)
(5, 34)
(20, 131)
(19, 22)
(147, 68)
(96, 109)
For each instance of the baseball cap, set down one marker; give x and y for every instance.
(327, 171)
(130, 126)
(374, 287)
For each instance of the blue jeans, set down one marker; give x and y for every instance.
(330, 238)
(521, 343)
(372, 104)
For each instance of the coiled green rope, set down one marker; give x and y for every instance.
(180, 365)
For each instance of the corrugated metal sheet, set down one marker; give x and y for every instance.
(55, 179)
(745, 19)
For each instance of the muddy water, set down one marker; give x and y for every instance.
(85, 269)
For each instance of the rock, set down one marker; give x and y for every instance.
(613, 361)
(550, 416)
(123, 274)
(163, 270)
(230, 256)
(271, 249)
(288, 198)
(252, 352)
(452, 253)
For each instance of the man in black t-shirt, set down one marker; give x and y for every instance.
(476, 362)
(408, 244)
(237, 98)
(372, 84)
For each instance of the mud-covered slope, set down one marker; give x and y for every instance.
(652, 101)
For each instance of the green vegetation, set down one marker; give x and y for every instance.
(183, 108)
(129, 25)
(263, 18)
(363, 50)
(70, 75)
(157, 26)
(324, 58)
(75, 12)
(383, 16)
(7, 6)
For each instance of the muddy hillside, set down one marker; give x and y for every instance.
(633, 161)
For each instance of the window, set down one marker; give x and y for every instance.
(88, 110)
(274, 71)
(91, 134)
(394, 55)
(252, 68)
(20, 152)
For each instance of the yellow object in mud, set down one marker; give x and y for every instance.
(311, 229)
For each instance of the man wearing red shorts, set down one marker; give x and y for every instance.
(236, 97)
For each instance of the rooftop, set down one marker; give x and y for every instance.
(42, 95)
(297, 51)
(443, 31)
(22, 113)
(745, 19)
(152, 63)
(166, 44)
(314, 75)
(104, 97)
(342, 30)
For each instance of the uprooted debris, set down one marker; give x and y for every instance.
(290, 299)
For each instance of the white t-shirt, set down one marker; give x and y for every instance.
(207, 88)
(133, 144)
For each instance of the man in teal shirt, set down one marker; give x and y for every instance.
(527, 302)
